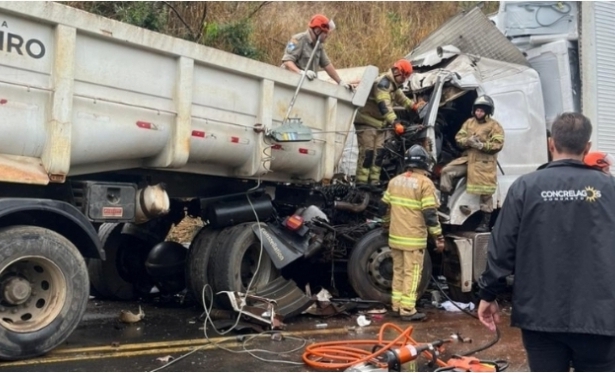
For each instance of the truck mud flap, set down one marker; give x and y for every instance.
(291, 301)
(281, 253)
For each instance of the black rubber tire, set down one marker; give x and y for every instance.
(359, 274)
(105, 275)
(28, 241)
(197, 263)
(226, 262)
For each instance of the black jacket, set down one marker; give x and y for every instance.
(556, 233)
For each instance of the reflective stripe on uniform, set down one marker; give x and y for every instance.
(435, 231)
(428, 202)
(396, 296)
(386, 198)
(480, 189)
(405, 202)
(408, 242)
(409, 300)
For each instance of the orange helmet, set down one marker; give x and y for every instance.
(404, 67)
(321, 22)
(600, 160)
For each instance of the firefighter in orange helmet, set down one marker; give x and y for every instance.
(377, 116)
(300, 48)
(599, 160)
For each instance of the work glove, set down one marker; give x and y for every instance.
(348, 86)
(399, 128)
(474, 143)
(440, 244)
(311, 75)
(419, 105)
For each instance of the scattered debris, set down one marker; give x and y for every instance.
(278, 337)
(115, 344)
(321, 325)
(450, 307)
(377, 311)
(129, 317)
(363, 321)
(165, 359)
(259, 308)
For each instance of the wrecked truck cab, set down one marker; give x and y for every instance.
(453, 80)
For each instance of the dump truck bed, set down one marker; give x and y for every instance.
(82, 94)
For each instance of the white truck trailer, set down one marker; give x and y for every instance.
(95, 117)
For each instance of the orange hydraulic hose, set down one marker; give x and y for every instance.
(344, 354)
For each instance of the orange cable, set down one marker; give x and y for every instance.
(344, 354)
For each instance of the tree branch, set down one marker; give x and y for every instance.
(180, 18)
(202, 24)
(263, 4)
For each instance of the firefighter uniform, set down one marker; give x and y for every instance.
(479, 165)
(370, 123)
(408, 196)
(299, 49)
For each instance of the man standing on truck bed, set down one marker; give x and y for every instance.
(300, 48)
(410, 218)
(373, 119)
(555, 233)
(482, 137)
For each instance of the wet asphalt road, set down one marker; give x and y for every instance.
(102, 343)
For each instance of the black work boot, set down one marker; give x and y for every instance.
(419, 316)
(444, 203)
(484, 224)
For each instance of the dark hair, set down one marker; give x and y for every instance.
(571, 133)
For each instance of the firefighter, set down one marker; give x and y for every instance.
(372, 120)
(599, 160)
(300, 48)
(482, 137)
(411, 216)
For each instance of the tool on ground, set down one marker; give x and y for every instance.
(471, 364)
(390, 355)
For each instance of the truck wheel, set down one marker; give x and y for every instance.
(370, 268)
(45, 290)
(197, 263)
(122, 276)
(234, 262)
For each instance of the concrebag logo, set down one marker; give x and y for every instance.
(589, 194)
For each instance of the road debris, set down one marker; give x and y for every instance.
(165, 359)
(363, 321)
(129, 317)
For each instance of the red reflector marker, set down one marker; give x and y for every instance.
(146, 125)
(294, 222)
(235, 139)
(303, 151)
(3, 101)
(198, 133)
(276, 147)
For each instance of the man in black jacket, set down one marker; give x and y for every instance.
(556, 233)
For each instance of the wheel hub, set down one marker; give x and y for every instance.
(380, 267)
(17, 291)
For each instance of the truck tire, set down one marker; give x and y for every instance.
(45, 290)
(122, 276)
(370, 268)
(234, 260)
(197, 263)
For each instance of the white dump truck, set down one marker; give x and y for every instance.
(110, 133)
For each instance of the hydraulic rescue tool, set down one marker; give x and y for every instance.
(390, 355)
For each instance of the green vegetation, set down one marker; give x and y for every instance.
(376, 33)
